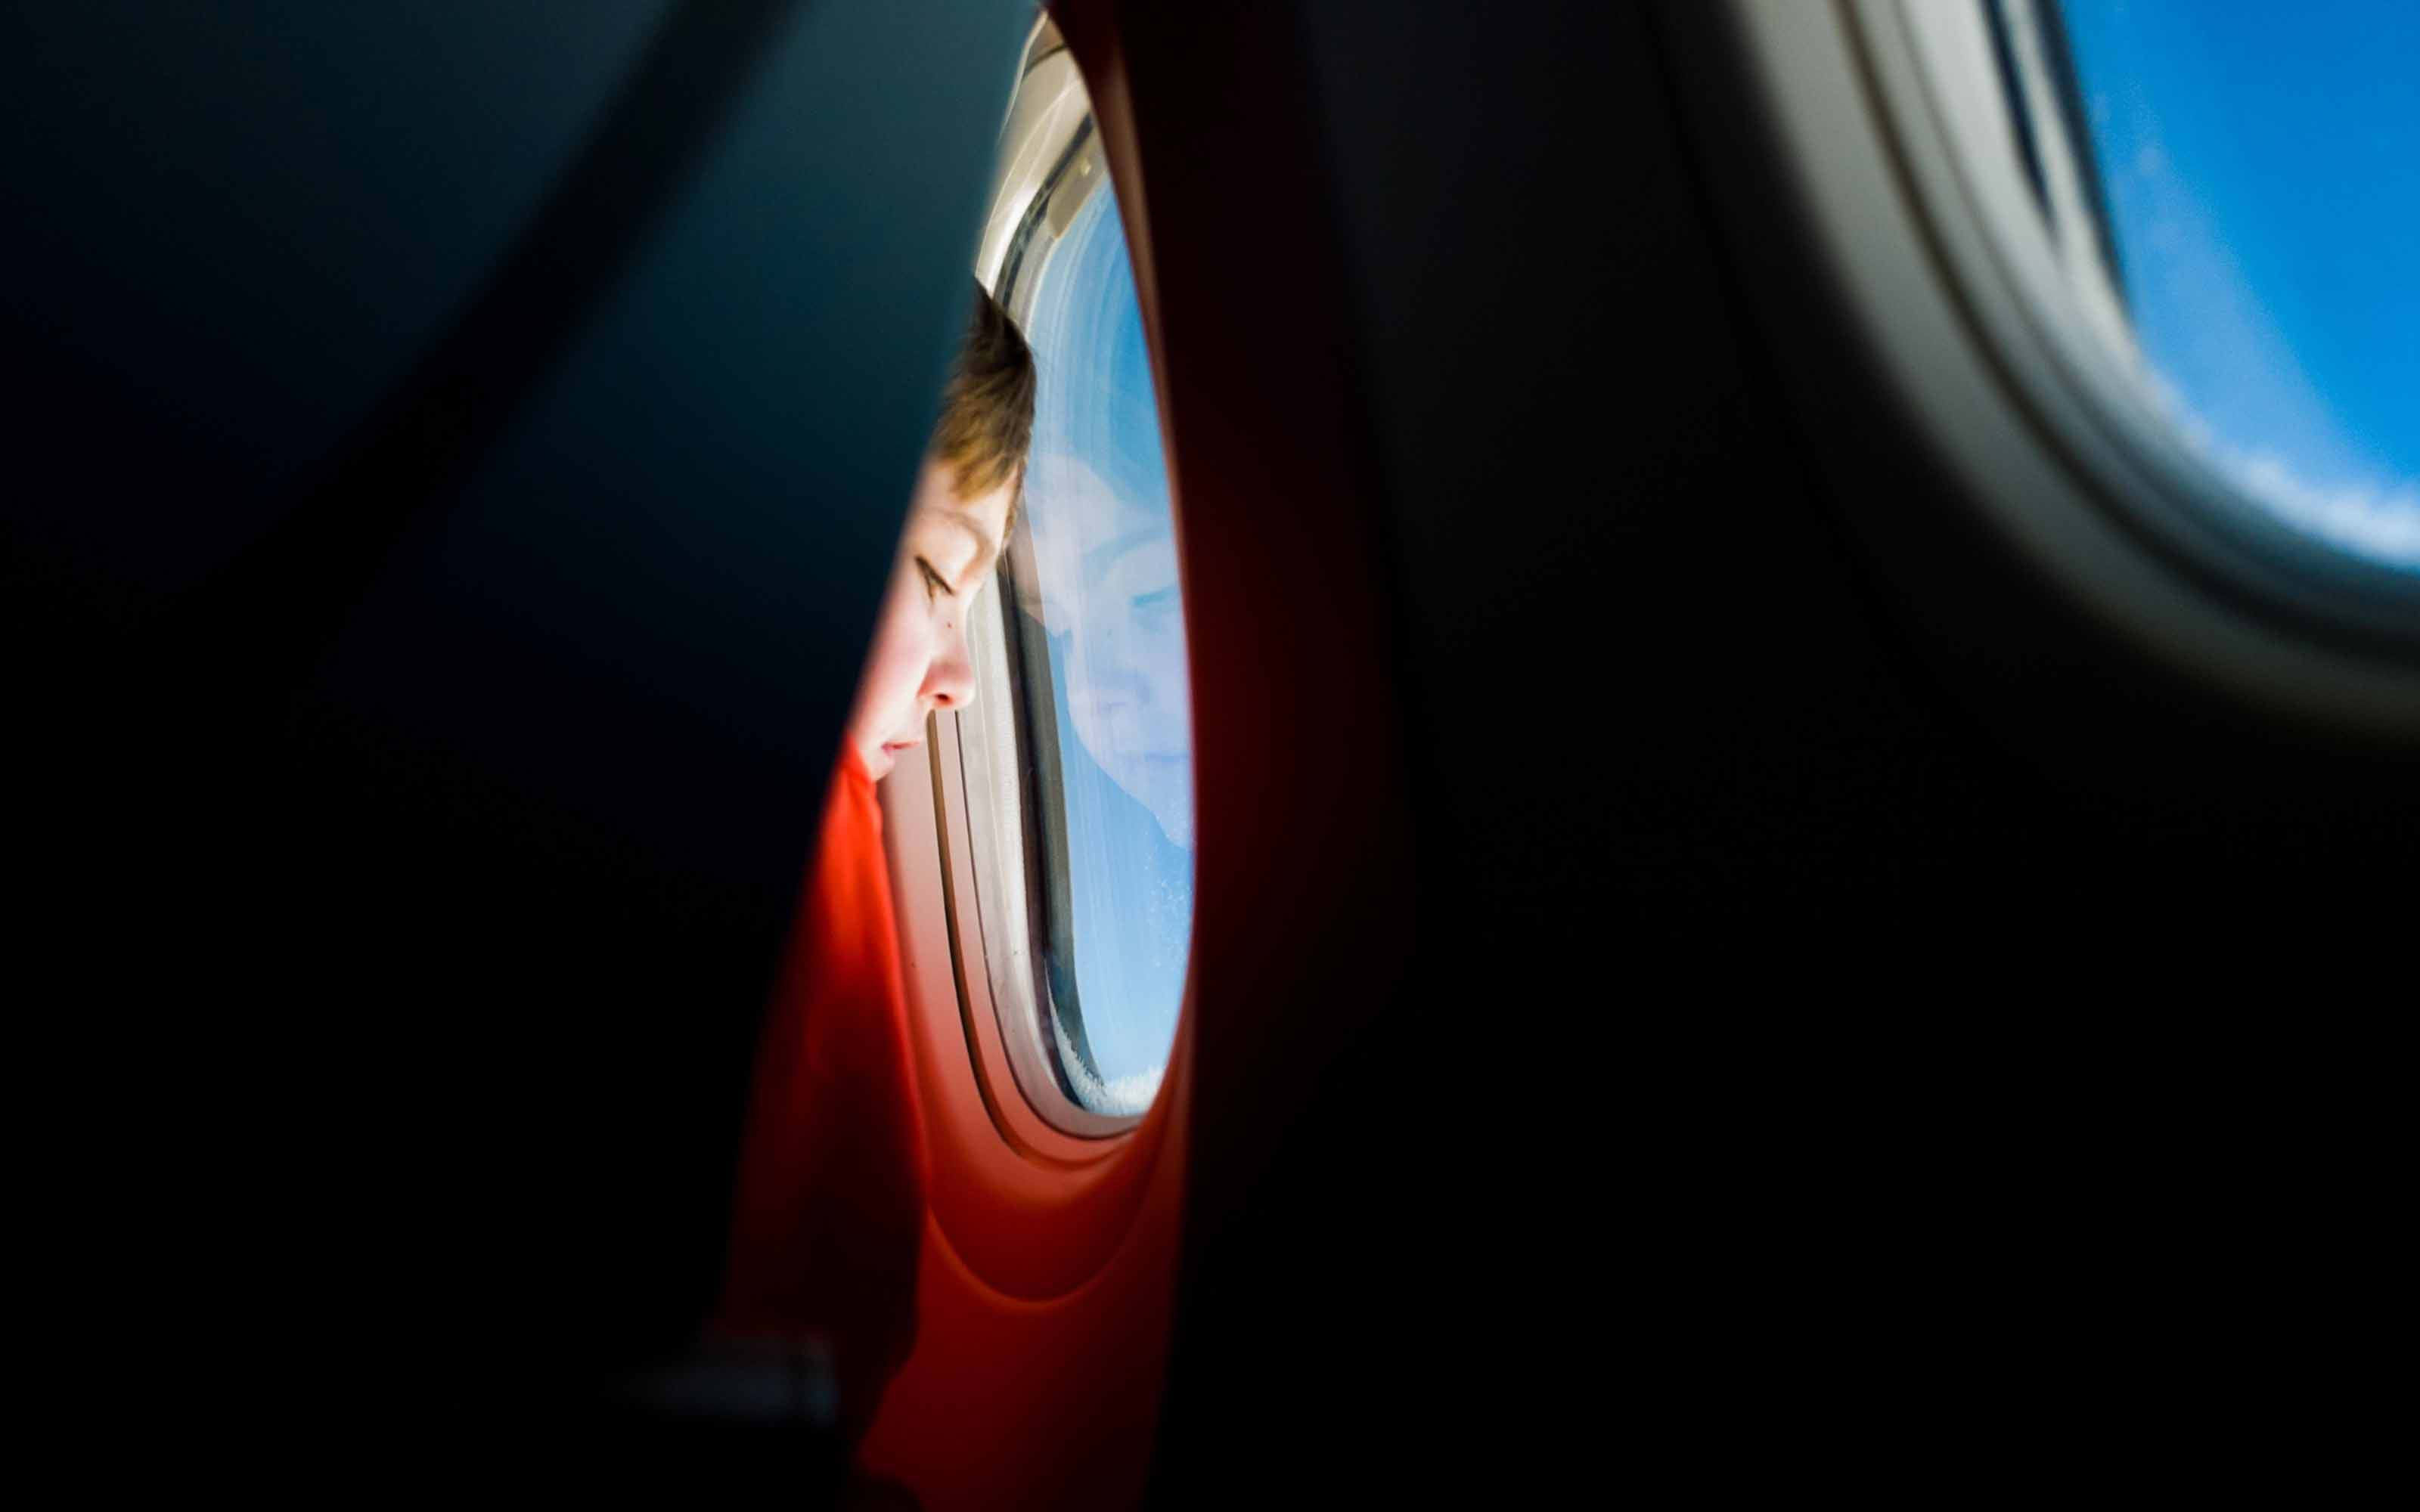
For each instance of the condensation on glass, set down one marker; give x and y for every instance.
(2232, 197)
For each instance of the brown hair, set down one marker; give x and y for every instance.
(987, 409)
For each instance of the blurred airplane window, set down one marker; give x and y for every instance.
(2250, 175)
(1107, 704)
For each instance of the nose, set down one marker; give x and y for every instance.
(949, 681)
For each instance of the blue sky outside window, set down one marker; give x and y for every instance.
(1105, 602)
(2262, 165)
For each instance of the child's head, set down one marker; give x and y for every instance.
(965, 498)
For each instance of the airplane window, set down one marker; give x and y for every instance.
(1099, 632)
(2233, 194)
(2262, 180)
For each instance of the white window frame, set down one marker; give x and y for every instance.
(1888, 120)
(962, 858)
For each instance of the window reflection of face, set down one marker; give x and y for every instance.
(1108, 570)
(917, 662)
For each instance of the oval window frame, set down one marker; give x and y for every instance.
(1906, 233)
(2176, 500)
(1031, 1206)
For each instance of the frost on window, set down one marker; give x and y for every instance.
(1108, 704)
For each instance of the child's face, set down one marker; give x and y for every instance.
(919, 660)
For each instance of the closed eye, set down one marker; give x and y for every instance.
(933, 581)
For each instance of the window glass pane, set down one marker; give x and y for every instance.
(2260, 165)
(1101, 600)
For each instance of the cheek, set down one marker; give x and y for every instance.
(902, 649)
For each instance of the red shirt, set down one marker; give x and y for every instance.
(829, 1208)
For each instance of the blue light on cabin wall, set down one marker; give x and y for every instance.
(2262, 165)
(1109, 609)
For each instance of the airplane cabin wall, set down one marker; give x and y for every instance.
(1831, 968)
(1681, 970)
